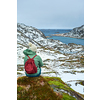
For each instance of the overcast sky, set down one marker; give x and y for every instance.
(51, 14)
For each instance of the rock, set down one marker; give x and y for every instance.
(44, 88)
(35, 88)
(71, 44)
(48, 36)
(80, 82)
(77, 32)
(59, 86)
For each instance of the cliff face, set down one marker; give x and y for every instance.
(77, 32)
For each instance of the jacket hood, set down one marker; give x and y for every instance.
(28, 52)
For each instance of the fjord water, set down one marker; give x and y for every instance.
(66, 40)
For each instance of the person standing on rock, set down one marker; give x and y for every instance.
(31, 54)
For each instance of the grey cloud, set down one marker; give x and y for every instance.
(51, 13)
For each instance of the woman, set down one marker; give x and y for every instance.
(31, 52)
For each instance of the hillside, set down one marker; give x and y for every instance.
(28, 33)
(77, 32)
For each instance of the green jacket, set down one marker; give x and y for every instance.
(37, 59)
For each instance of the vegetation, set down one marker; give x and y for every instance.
(67, 97)
(43, 88)
(57, 84)
(20, 68)
(35, 88)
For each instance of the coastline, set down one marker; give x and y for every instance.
(62, 35)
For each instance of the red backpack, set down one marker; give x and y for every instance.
(30, 66)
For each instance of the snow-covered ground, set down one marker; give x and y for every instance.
(54, 67)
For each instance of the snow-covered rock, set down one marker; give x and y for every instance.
(77, 32)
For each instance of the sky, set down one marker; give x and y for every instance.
(51, 14)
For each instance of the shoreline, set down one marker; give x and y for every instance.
(62, 35)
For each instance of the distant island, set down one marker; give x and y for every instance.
(77, 32)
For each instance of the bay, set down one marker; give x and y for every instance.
(66, 40)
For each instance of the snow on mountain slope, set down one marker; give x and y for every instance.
(28, 33)
(77, 32)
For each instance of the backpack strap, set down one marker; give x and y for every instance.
(31, 58)
(34, 56)
(28, 57)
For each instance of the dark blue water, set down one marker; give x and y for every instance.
(66, 40)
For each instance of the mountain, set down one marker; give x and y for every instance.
(27, 34)
(77, 32)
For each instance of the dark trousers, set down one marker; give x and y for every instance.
(34, 75)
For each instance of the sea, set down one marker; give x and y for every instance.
(66, 40)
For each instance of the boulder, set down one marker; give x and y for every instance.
(45, 88)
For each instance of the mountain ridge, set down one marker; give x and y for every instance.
(77, 32)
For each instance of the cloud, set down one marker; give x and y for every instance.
(51, 13)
